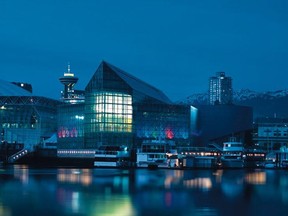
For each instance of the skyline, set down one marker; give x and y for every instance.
(173, 45)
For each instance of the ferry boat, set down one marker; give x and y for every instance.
(112, 156)
(200, 158)
(157, 154)
(254, 158)
(232, 154)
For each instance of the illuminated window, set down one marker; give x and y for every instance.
(113, 112)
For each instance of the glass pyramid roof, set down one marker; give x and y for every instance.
(138, 84)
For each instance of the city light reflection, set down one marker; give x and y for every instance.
(116, 205)
(201, 183)
(256, 178)
(140, 192)
(22, 172)
(75, 202)
(4, 211)
(218, 175)
(168, 181)
(82, 176)
(176, 176)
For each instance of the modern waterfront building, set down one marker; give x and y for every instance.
(220, 89)
(271, 134)
(120, 109)
(25, 118)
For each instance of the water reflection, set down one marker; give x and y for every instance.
(201, 183)
(256, 178)
(22, 173)
(141, 192)
(82, 176)
(4, 211)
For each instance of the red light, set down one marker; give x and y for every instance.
(169, 133)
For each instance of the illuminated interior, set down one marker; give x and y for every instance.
(113, 112)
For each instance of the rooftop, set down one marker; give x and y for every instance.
(9, 89)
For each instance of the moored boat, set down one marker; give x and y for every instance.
(232, 154)
(112, 156)
(254, 158)
(157, 154)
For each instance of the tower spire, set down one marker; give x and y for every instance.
(68, 69)
(68, 80)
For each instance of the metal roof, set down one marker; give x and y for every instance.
(9, 89)
(139, 85)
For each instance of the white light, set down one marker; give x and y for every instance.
(79, 117)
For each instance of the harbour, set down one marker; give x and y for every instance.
(152, 155)
(136, 192)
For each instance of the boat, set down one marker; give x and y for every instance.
(112, 156)
(270, 160)
(254, 158)
(232, 154)
(200, 158)
(269, 164)
(157, 154)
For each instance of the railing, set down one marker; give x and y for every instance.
(17, 155)
(216, 146)
(104, 153)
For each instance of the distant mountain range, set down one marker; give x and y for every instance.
(264, 104)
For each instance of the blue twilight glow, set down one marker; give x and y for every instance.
(174, 45)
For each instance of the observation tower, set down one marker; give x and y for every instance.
(68, 80)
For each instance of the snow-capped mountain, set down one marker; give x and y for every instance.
(246, 94)
(269, 103)
(238, 96)
(195, 99)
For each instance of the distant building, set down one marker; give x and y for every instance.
(69, 94)
(217, 124)
(220, 89)
(271, 134)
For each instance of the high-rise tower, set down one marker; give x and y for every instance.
(70, 95)
(220, 89)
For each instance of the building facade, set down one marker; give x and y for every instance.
(217, 123)
(220, 89)
(24, 117)
(121, 110)
(271, 134)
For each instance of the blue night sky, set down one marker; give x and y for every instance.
(175, 45)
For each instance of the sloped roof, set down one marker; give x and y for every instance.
(139, 85)
(9, 89)
(52, 139)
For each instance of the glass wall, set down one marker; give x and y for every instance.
(27, 120)
(113, 112)
(162, 122)
(71, 126)
(109, 119)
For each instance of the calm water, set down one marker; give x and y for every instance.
(67, 191)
